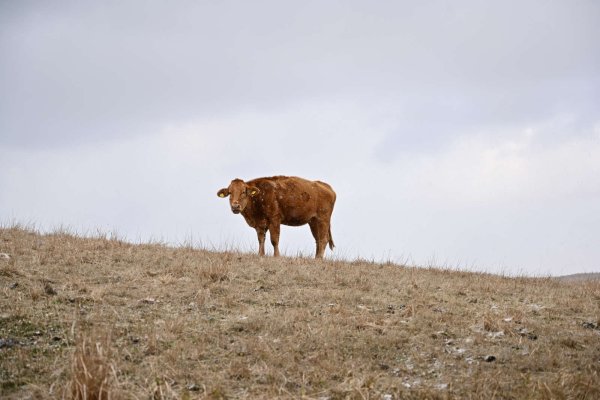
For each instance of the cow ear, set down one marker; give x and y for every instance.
(223, 193)
(252, 191)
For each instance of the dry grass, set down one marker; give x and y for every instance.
(92, 372)
(103, 319)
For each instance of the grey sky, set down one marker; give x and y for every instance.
(461, 133)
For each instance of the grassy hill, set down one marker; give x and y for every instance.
(107, 319)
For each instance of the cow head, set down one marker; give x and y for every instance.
(239, 193)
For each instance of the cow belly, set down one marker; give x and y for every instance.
(296, 213)
(296, 217)
(291, 221)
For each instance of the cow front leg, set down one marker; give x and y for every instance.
(261, 233)
(274, 234)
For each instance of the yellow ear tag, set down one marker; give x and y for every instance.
(221, 195)
(252, 193)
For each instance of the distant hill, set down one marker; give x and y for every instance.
(580, 277)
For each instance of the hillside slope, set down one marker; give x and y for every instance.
(149, 321)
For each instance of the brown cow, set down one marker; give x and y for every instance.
(266, 203)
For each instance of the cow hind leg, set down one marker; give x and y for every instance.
(274, 230)
(320, 231)
(315, 232)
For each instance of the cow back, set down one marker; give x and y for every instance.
(292, 200)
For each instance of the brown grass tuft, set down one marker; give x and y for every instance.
(93, 373)
(214, 273)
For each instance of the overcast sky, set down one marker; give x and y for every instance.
(463, 134)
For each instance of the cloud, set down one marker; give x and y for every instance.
(169, 178)
(467, 132)
(87, 71)
(503, 201)
(506, 201)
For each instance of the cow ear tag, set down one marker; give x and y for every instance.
(221, 195)
(252, 193)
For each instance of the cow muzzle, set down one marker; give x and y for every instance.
(236, 208)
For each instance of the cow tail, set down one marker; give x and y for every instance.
(331, 245)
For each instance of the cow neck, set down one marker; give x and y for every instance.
(249, 211)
